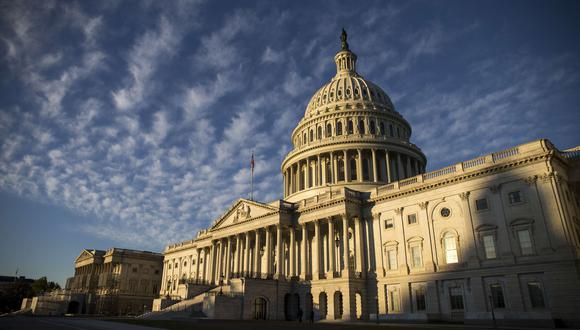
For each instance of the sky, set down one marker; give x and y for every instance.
(131, 123)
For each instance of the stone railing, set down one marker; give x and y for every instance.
(573, 154)
(471, 165)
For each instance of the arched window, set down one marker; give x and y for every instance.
(353, 169)
(382, 126)
(311, 135)
(328, 130)
(372, 129)
(450, 246)
(304, 140)
(361, 126)
(339, 128)
(349, 127)
(391, 134)
(319, 133)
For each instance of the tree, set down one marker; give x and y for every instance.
(42, 285)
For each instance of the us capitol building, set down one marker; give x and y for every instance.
(363, 230)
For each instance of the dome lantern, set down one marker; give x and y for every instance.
(345, 59)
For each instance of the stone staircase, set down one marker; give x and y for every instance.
(183, 309)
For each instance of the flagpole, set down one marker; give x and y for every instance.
(252, 177)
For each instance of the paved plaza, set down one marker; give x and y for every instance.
(63, 323)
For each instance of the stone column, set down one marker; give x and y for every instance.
(334, 167)
(228, 258)
(197, 258)
(323, 172)
(318, 171)
(307, 174)
(279, 251)
(212, 266)
(416, 165)
(292, 252)
(359, 239)
(359, 172)
(346, 167)
(400, 173)
(298, 176)
(237, 256)
(246, 267)
(388, 168)
(408, 165)
(257, 254)
(375, 176)
(268, 251)
(345, 245)
(303, 252)
(316, 252)
(331, 249)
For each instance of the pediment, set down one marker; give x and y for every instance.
(243, 210)
(85, 254)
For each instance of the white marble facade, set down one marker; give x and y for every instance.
(364, 230)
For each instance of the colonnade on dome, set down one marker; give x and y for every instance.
(362, 165)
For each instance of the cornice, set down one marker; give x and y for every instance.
(459, 178)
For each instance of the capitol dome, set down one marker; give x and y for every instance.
(350, 135)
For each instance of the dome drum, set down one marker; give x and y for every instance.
(350, 136)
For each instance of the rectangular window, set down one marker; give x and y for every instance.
(497, 296)
(412, 219)
(536, 295)
(525, 242)
(456, 298)
(394, 303)
(392, 256)
(481, 204)
(514, 197)
(389, 224)
(420, 298)
(489, 246)
(450, 250)
(416, 261)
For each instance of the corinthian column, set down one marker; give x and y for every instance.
(359, 172)
(346, 167)
(360, 267)
(331, 248)
(303, 252)
(375, 176)
(268, 252)
(257, 255)
(246, 267)
(279, 251)
(345, 245)
(316, 252)
(292, 252)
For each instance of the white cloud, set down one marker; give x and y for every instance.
(148, 51)
(272, 56)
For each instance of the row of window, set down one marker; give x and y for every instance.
(456, 297)
(311, 135)
(451, 250)
(322, 98)
(185, 263)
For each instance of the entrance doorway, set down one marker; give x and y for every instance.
(260, 309)
(323, 305)
(337, 305)
(291, 306)
(73, 307)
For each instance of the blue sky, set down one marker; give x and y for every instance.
(131, 123)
